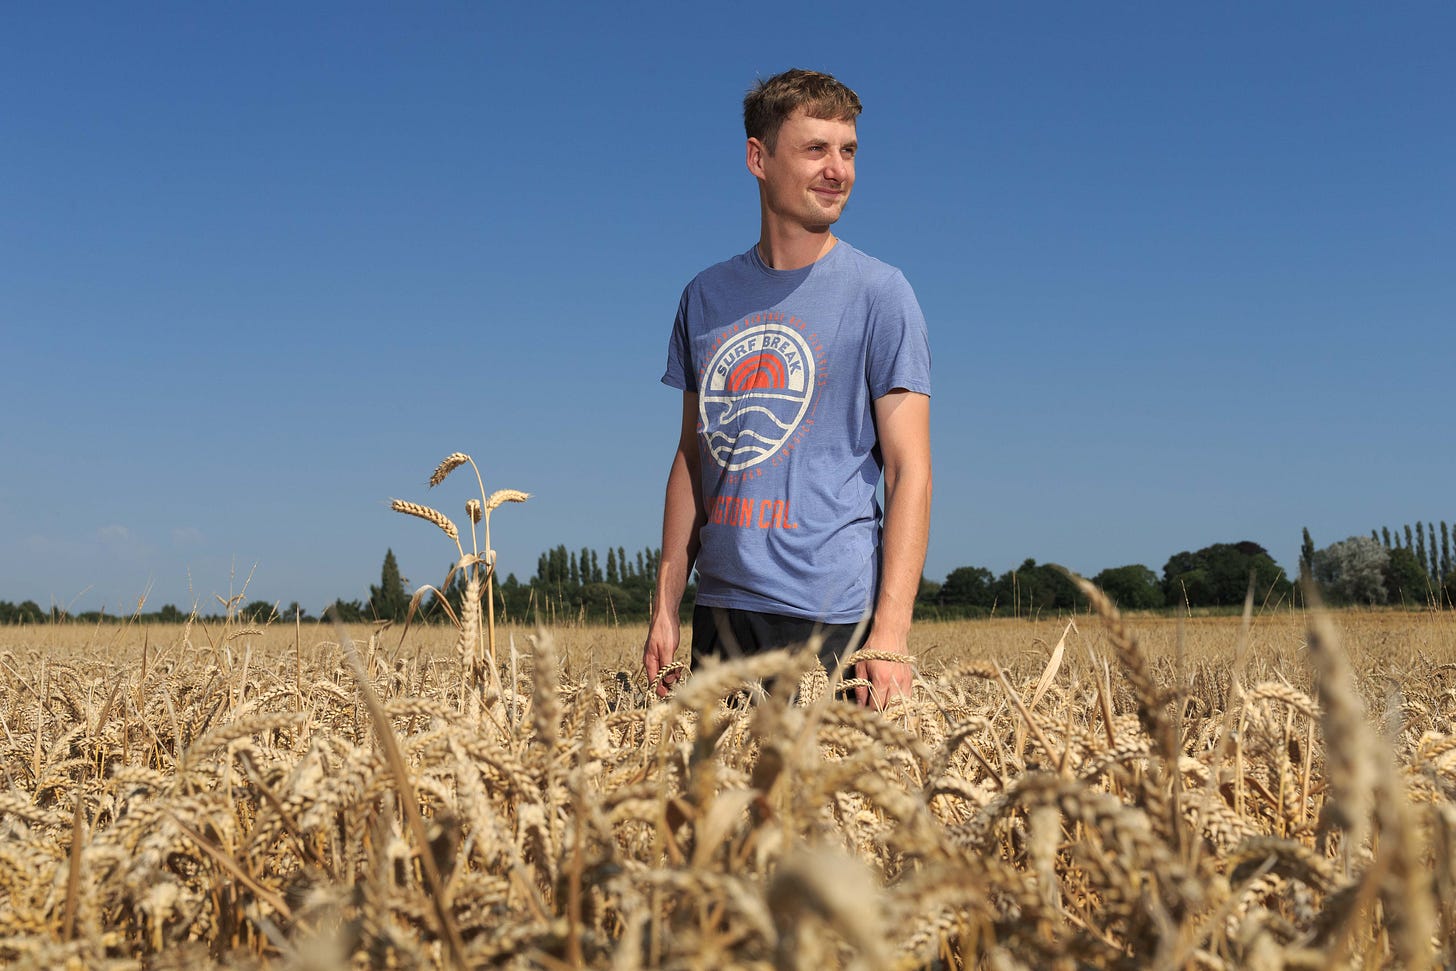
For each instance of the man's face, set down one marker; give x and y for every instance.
(807, 179)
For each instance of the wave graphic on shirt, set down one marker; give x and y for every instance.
(756, 391)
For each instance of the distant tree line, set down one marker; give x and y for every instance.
(569, 586)
(257, 612)
(1215, 576)
(28, 612)
(1409, 567)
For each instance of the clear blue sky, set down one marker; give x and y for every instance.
(1188, 270)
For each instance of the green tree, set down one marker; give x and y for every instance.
(509, 597)
(258, 612)
(1445, 551)
(1405, 579)
(928, 593)
(388, 601)
(1132, 587)
(1385, 536)
(1353, 571)
(1306, 553)
(26, 612)
(967, 586)
(1219, 575)
(611, 566)
(346, 611)
(1032, 588)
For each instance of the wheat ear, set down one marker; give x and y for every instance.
(429, 515)
(500, 496)
(450, 463)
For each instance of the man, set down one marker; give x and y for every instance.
(805, 375)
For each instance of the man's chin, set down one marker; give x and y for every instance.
(825, 218)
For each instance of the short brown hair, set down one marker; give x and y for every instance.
(769, 103)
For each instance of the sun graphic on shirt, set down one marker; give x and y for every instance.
(759, 371)
(756, 390)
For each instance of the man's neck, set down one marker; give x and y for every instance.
(793, 251)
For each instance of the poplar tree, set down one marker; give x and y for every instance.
(622, 563)
(1432, 551)
(596, 569)
(586, 574)
(1445, 550)
(1421, 546)
(1306, 554)
(1409, 544)
(1385, 535)
(573, 571)
(388, 601)
(611, 565)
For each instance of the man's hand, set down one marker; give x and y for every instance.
(662, 641)
(888, 679)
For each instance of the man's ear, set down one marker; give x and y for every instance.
(755, 155)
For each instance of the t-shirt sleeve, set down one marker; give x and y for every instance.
(679, 373)
(899, 353)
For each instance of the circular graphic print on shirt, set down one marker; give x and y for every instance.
(755, 392)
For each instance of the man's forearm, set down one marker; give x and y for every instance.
(903, 544)
(681, 520)
(903, 422)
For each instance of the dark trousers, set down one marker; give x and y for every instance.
(727, 633)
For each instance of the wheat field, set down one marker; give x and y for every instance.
(1271, 791)
(1084, 792)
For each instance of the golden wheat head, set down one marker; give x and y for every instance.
(501, 496)
(426, 513)
(450, 463)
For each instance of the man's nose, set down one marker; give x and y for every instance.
(838, 168)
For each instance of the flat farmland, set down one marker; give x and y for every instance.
(1087, 791)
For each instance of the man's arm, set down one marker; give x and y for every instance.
(682, 517)
(902, 419)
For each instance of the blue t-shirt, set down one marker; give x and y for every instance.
(786, 365)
